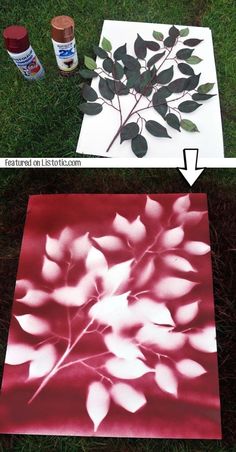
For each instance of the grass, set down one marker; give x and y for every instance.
(42, 118)
(220, 186)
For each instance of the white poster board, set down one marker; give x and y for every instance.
(98, 131)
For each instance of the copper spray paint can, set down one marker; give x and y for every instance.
(63, 39)
(17, 43)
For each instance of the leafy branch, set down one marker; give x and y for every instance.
(125, 75)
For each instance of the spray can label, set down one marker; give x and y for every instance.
(28, 63)
(66, 55)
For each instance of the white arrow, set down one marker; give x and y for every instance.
(190, 171)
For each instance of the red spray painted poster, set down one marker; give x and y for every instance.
(112, 330)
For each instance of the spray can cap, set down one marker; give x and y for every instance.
(16, 38)
(62, 28)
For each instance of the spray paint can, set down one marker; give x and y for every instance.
(17, 43)
(62, 33)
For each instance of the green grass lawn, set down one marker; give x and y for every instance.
(220, 185)
(39, 119)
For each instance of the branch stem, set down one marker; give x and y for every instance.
(133, 108)
(57, 366)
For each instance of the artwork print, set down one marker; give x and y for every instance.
(112, 330)
(151, 94)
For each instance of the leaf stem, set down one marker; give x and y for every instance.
(56, 368)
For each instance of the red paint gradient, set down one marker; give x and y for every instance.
(112, 330)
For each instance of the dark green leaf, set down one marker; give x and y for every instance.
(184, 54)
(164, 92)
(152, 45)
(144, 83)
(145, 79)
(162, 109)
(169, 41)
(100, 52)
(159, 104)
(131, 63)
(165, 76)
(192, 82)
(108, 65)
(133, 77)
(188, 106)
(178, 85)
(129, 131)
(185, 69)
(184, 32)
(188, 125)
(192, 42)
(194, 60)
(174, 32)
(120, 52)
(198, 96)
(173, 121)
(117, 87)
(86, 73)
(139, 146)
(158, 36)
(205, 88)
(90, 109)
(89, 93)
(155, 59)
(140, 48)
(118, 71)
(106, 45)
(90, 63)
(156, 129)
(105, 90)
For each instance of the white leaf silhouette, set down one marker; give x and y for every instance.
(121, 224)
(122, 347)
(154, 312)
(109, 242)
(146, 273)
(162, 337)
(98, 403)
(23, 284)
(127, 397)
(110, 310)
(181, 204)
(73, 296)
(19, 354)
(127, 369)
(190, 218)
(44, 360)
(35, 298)
(137, 231)
(171, 287)
(172, 237)
(50, 270)
(205, 340)
(190, 368)
(33, 325)
(116, 276)
(197, 248)
(166, 379)
(54, 249)
(187, 313)
(153, 209)
(178, 262)
(80, 247)
(66, 236)
(96, 262)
